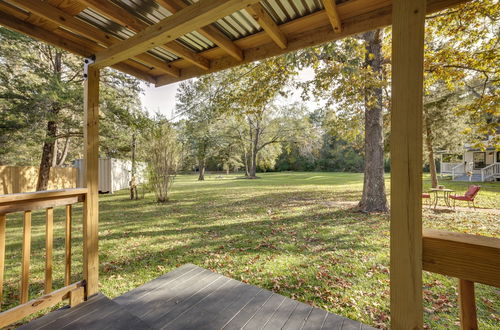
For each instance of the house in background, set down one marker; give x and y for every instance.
(114, 174)
(474, 164)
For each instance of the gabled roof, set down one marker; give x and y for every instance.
(128, 35)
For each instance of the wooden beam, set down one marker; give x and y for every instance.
(408, 23)
(186, 20)
(128, 20)
(19, 312)
(469, 257)
(210, 32)
(267, 23)
(314, 29)
(61, 18)
(80, 48)
(333, 14)
(467, 302)
(91, 204)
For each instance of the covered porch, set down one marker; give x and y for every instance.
(191, 297)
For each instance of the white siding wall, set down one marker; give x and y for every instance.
(114, 174)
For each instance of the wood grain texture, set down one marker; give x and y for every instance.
(469, 257)
(191, 297)
(333, 15)
(49, 242)
(67, 245)
(467, 302)
(25, 261)
(19, 312)
(76, 296)
(408, 21)
(307, 31)
(3, 220)
(91, 204)
(186, 20)
(260, 15)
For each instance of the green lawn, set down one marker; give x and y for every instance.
(292, 233)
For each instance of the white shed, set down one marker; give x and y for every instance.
(114, 174)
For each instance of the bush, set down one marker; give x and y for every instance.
(162, 156)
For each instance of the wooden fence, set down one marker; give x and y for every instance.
(17, 179)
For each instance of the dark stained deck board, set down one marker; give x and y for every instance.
(191, 297)
(99, 312)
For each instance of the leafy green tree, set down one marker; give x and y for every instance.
(41, 104)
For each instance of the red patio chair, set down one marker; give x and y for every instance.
(468, 196)
(427, 196)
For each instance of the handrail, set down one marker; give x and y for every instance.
(26, 203)
(41, 199)
(453, 170)
(470, 258)
(489, 171)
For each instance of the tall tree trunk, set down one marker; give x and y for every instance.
(430, 153)
(133, 181)
(255, 150)
(50, 138)
(202, 163)
(47, 156)
(373, 198)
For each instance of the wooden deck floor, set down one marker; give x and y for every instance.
(191, 297)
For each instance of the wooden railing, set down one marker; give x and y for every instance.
(490, 171)
(470, 258)
(26, 203)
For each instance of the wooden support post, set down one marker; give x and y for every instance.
(406, 163)
(91, 204)
(467, 301)
(76, 296)
(3, 220)
(25, 263)
(49, 240)
(67, 244)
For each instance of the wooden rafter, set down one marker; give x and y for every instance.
(61, 18)
(267, 23)
(123, 17)
(184, 21)
(57, 39)
(333, 14)
(210, 32)
(315, 29)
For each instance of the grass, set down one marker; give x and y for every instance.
(293, 233)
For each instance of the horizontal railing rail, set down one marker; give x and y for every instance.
(26, 203)
(470, 258)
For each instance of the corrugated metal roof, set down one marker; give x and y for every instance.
(235, 26)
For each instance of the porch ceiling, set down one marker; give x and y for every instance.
(165, 41)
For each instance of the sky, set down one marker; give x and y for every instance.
(162, 99)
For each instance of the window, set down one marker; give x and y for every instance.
(479, 159)
(498, 156)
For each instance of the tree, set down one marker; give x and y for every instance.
(350, 77)
(162, 152)
(251, 98)
(201, 102)
(41, 102)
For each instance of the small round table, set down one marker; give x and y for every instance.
(445, 196)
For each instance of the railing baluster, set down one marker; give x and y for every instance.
(25, 267)
(49, 239)
(467, 301)
(3, 220)
(67, 273)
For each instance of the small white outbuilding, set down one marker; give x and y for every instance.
(114, 174)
